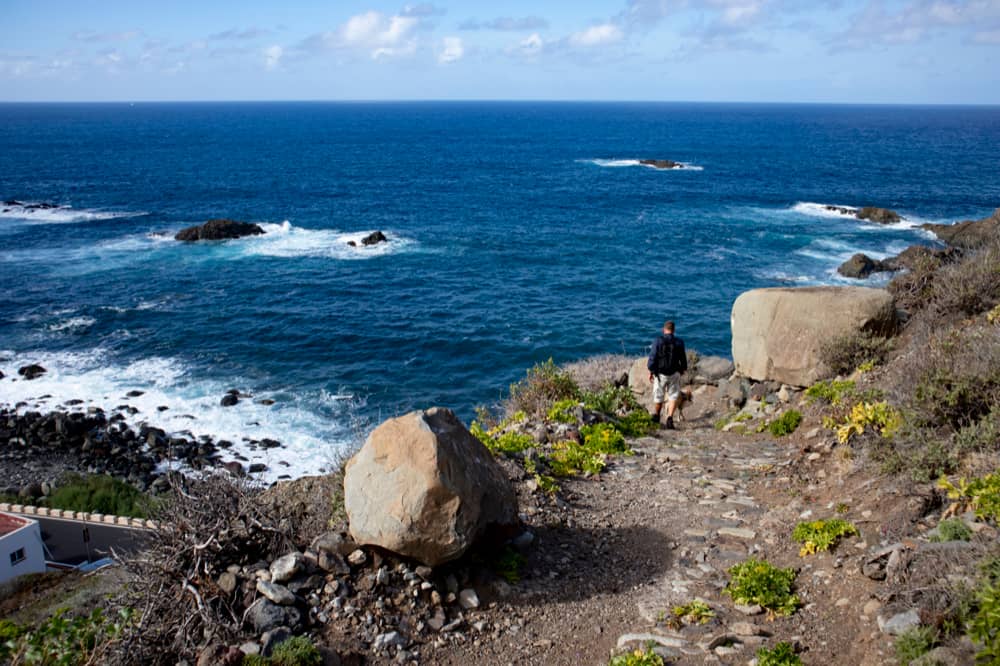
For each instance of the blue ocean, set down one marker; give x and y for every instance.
(517, 232)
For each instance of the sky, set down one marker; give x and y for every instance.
(844, 51)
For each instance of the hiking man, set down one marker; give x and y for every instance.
(667, 362)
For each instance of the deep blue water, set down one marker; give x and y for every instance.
(520, 232)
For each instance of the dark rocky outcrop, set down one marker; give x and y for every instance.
(374, 238)
(31, 371)
(219, 230)
(868, 213)
(861, 266)
(918, 255)
(879, 215)
(10, 203)
(661, 164)
(969, 233)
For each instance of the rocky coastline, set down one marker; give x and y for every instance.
(376, 565)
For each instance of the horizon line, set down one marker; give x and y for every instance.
(508, 101)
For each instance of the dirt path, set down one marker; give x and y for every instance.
(660, 529)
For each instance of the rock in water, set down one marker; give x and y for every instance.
(31, 371)
(879, 215)
(374, 238)
(777, 333)
(861, 266)
(219, 230)
(661, 164)
(423, 487)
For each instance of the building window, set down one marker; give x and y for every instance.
(17, 556)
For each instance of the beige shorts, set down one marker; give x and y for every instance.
(668, 385)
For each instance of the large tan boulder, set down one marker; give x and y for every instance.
(422, 486)
(777, 333)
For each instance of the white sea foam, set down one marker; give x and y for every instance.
(821, 210)
(631, 162)
(72, 324)
(312, 429)
(59, 215)
(287, 240)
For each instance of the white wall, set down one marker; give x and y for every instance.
(28, 537)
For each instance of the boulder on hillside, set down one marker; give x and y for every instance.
(916, 255)
(219, 230)
(661, 164)
(777, 333)
(879, 215)
(968, 234)
(861, 266)
(423, 487)
(713, 368)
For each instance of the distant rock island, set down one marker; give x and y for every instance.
(661, 164)
(870, 213)
(219, 230)
(374, 238)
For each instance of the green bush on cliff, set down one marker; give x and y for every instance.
(636, 424)
(782, 654)
(543, 385)
(98, 493)
(785, 424)
(821, 535)
(62, 639)
(638, 657)
(611, 400)
(831, 391)
(604, 438)
(843, 354)
(562, 411)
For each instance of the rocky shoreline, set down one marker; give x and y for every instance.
(43, 445)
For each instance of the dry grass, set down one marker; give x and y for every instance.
(596, 372)
(205, 526)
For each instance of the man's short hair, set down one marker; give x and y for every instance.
(668, 326)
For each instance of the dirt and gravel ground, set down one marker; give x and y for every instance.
(660, 529)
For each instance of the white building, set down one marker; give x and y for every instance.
(21, 549)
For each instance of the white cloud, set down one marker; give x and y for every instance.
(452, 50)
(741, 13)
(373, 31)
(272, 57)
(597, 35)
(532, 45)
(987, 37)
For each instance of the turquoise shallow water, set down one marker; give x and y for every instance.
(519, 232)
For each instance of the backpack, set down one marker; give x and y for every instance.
(667, 357)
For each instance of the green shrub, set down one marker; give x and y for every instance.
(562, 411)
(569, 457)
(982, 495)
(543, 385)
(508, 564)
(877, 416)
(785, 424)
(296, 651)
(501, 441)
(968, 287)
(98, 493)
(830, 391)
(952, 529)
(984, 627)
(255, 660)
(781, 654)
(636, 424)
(604, 438)
(611, 400)
(821, 535)
(62, 640)
(759, 582)
(843, 354)
(637, 657)
(694, 612)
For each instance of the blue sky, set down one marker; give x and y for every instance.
(861, 51)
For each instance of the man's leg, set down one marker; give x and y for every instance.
(657, 408)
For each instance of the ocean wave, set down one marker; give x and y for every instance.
(825, 210)
(74, 323)
(36, 213)
(630, 162)
(287, 240)
(314, 429)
